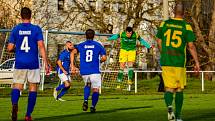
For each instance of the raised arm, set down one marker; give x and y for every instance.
(114, 37)
(144, 43)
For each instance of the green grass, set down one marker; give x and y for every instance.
(145, 87)
(116, 105)
(197, 107)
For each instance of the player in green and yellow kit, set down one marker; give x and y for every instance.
(174, 35)
(127, 53)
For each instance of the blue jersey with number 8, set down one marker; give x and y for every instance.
(90, 51)
(25, 37)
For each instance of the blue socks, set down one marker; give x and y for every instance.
(95, 98)
(86, 92)
(60, 87)
(31, 102)
(95, 95)
(15, 94)
(63, 91)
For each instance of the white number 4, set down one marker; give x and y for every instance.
(24, 45)
(89, 55)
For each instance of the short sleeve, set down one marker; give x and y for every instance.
(39, 34)
(12, 38)
(61, 57)
(160, 33)
(190, 36)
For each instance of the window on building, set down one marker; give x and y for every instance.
(61, 5)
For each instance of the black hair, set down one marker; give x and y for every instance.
(129, 29)
(26, 13)
(90, 34)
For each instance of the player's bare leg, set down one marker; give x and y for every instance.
(15, 94)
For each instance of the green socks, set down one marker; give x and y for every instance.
(178, 104)
(168, 97)
(120, 75)
(130, 73)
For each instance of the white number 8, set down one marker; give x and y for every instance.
(24, 45)
(89, 55)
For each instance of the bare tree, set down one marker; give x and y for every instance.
(205, 34)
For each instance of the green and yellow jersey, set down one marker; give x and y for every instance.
(129, 43)
(175, 34)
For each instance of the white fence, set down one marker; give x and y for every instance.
(7, 73)
(136, 82)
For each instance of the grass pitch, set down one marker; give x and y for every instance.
(197, 107)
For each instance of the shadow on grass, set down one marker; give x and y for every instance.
(201, 115)
(119, 98)
(87, 114)
(114, 98)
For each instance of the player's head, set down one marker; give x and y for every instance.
(26, 13)
(179, 9)
(90, 34)
(129, 32)
(69, 45)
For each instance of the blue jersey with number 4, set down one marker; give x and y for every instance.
(25, 37)
(90, 51)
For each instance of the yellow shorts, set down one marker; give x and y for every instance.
(174, 77)
(127, 56)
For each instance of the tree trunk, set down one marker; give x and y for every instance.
(212, 43)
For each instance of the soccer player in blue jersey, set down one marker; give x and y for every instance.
(63, 67)
(91, 54)
(25, 38)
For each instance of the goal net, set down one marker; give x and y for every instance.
(109, 68)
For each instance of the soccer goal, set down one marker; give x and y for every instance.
(55, 44)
